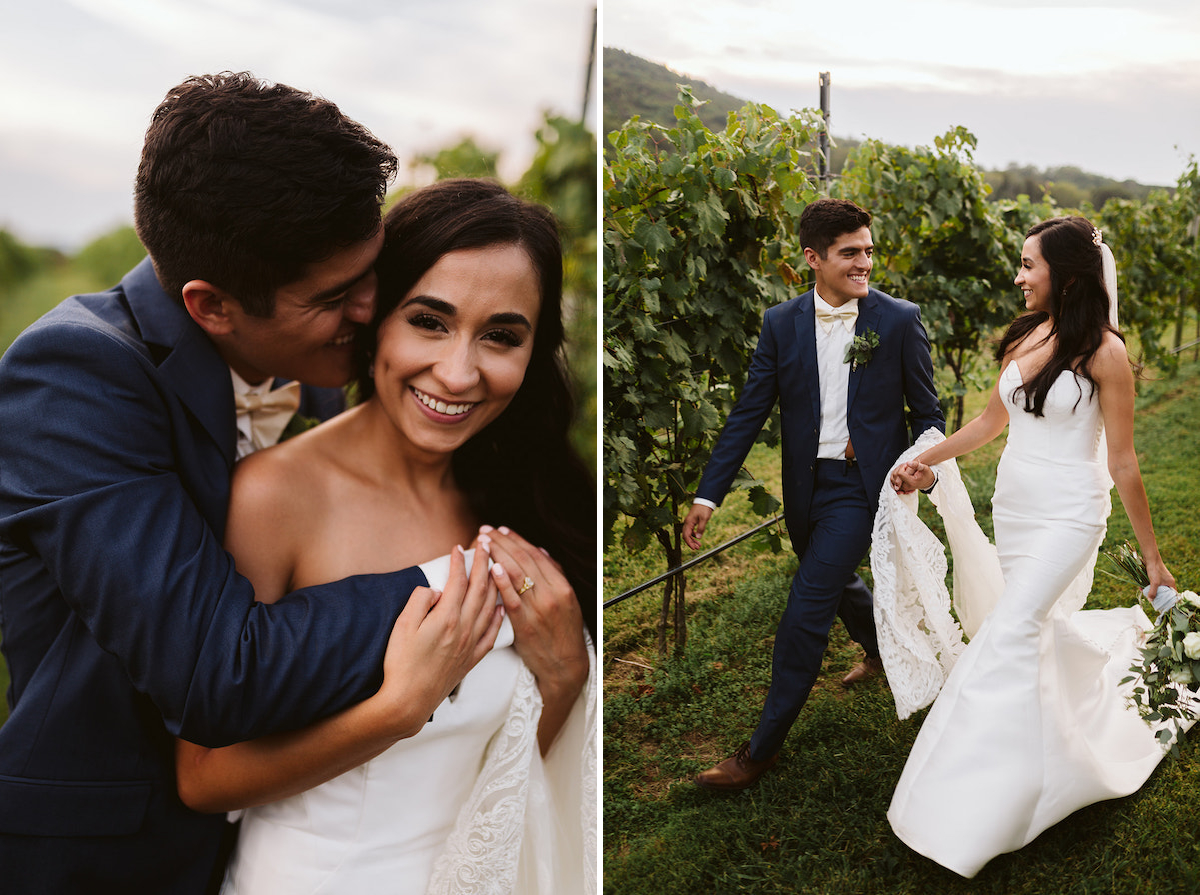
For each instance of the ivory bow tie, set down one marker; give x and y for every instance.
(268, 414)
(827, 317)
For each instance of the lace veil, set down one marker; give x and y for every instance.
(529, 826)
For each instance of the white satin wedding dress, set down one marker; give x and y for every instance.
(466, 806)
(1031, 723)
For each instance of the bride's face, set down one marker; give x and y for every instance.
(1034, 276)
(453, 353)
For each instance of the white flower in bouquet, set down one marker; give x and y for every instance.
(1190, 596)
(1181, 675)
(1191, 645)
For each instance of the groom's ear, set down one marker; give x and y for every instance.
(813, 259)
(209, 306)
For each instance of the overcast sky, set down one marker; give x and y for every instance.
(79, 79)
(1111, 87)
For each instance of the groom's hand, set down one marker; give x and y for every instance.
(695, 523)
(912, 476)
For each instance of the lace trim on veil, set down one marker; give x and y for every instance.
(509, 812)
(919, 640)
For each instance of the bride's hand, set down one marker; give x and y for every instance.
(1159, 576)
(437, 639)
(546, 618)
(912, 476)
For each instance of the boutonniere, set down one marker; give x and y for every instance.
(859, 351)
(298, 424)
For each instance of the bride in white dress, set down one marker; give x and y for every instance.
(1032, 723)
(456, 777)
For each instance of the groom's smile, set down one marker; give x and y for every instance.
(844, 271)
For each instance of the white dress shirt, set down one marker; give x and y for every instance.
(833, 374)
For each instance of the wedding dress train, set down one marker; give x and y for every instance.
(467, 805)
(1032, 722)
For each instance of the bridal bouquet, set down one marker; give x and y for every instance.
(1168, 674)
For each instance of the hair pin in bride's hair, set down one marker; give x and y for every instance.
(1097, 237)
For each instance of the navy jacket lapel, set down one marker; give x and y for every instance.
(868, 318)
(806, 349)
(191, 365)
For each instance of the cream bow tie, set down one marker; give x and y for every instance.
(268, 414)
(827, 317)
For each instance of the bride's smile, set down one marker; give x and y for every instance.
(441, 408)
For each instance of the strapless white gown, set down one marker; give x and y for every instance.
(1032, 723)
(466, 805)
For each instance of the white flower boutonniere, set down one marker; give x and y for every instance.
(859, 351)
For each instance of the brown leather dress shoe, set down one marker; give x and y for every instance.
(864, 670)
(735, 773)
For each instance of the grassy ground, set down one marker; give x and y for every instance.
(817, 823)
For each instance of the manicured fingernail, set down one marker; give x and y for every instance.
(498, 570)
(459, 548)
(503, 529)
(484, 529)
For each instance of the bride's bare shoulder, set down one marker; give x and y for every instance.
(1111, 360)
(291, 477)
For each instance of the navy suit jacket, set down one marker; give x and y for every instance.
(784, 369)
(123, 618)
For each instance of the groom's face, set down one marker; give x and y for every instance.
(310, 336)
(844, 272)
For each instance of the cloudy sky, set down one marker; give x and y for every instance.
(1110, 86)
(79, 79)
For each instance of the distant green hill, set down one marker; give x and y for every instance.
(635, 86)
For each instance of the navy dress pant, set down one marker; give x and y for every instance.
(825, 586)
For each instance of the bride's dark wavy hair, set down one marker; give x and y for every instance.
(521, 470)
(1078, 311)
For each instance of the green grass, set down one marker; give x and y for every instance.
(817, 823)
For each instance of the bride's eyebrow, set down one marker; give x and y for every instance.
(512, 318)
(434, 304)
(509, 318)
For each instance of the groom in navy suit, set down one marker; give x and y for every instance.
(124, 621)
(842, 360)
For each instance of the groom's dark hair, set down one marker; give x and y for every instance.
(245, 183)
(824, 220)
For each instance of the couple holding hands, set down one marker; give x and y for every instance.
(1031, 722)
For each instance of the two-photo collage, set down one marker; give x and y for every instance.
(723, 446)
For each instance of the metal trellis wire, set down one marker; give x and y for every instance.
(694, 561)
